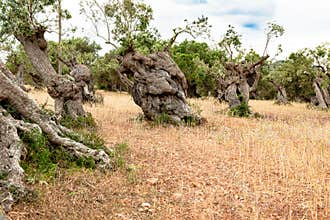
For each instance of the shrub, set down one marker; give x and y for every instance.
(242, 110)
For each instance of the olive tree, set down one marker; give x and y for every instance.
(27, 21)
(241, 74)
(305, 74)
(321, 73)
(279, 78)
(156, 83)
(19, 114)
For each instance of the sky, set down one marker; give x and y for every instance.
(306, 22)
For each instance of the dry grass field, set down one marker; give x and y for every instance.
(276, 167)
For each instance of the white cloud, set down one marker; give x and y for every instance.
(306, 22)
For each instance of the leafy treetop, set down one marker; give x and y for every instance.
(128, 23)
(25, 18)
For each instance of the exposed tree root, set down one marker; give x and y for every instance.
(27, 116)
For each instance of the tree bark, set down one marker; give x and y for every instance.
(59, 49)
(159, 85)
(281, 98)
(11, 146)
(67, 91)
(322, 94)
(239, 81)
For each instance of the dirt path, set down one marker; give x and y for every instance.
(277, 167)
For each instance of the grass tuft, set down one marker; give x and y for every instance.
(118, 155)
(163, 119)
(81, 122)
(242, 110)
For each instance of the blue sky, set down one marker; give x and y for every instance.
(306, 22)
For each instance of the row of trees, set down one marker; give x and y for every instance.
(148, 72)
(207, 70)
(284, 80)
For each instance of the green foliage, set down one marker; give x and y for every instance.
(87, 162)
(242, 110)
(196, 118)
(200, 64)
(20, 195)
(104, 73)
(79, 123)
(252, 56)
(297, 73)
(231, 43)
(196, 28)
(38, 163)
(125, 20)
(10, 110)
(16, 57)
(147, 42)
(43, 159)
(84, 131)
(3, 175)
(192, 120)
(163, 119)
(89, 138)
(130, 18)
(27, 18)
(119, 162)
(81, 49)
(274, 30)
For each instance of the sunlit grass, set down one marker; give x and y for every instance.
(273, 167)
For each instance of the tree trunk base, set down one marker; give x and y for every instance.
(322, 94)
(281, 98)
(159, 87)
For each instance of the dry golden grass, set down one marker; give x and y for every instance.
(277, 167)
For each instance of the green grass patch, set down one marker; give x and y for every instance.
(163, 119)
(119, 162)
(89, 138)
(3, 175)
(43, 159)
(242, 110)
(118, 155)
(81, 122)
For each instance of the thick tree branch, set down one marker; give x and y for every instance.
(173, 39)
(124, 80)
(253, 88)
(258, 63)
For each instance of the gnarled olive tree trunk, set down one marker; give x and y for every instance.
(68, 91)
(26, 109)
(281, 98)
(322, 93)
(159, 86)
(239, 81)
